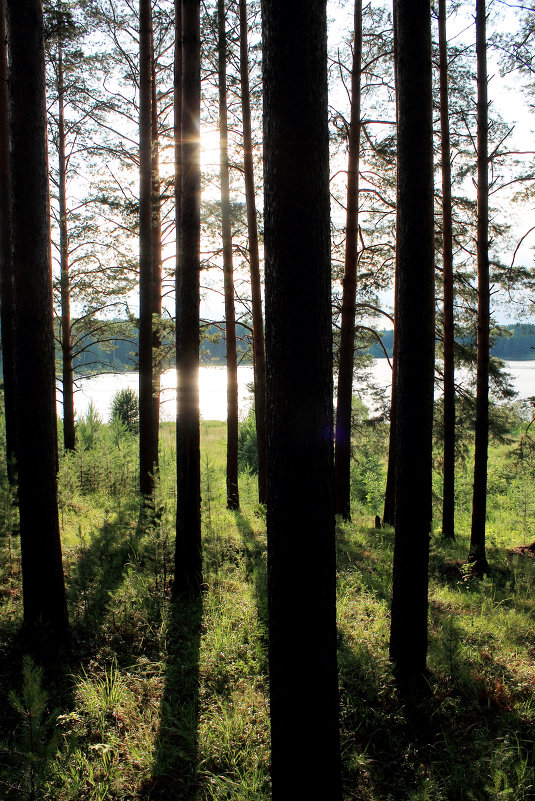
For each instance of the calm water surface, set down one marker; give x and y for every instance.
(212, 388)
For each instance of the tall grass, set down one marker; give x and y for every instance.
(170, 701)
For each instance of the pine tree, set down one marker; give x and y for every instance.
(233, 500)
(415, 353)
(45, 609)
(300, 508)
(188, 554)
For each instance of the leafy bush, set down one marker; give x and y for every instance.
(125, 408)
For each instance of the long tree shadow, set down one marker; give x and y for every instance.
(100, 570)
(175, 775)
(255, 556)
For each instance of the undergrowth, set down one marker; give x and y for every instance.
(170, 701)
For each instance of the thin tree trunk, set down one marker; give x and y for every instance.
(415, 322)
(259, 358)
(448, 500)
(148, 448)
(233, 498)
(6, 266)
(477, 553)
(342, 448)
(300, 509)
(389, 511)
(69, 435)
(188, 556)
(156, 258)
(45, 609)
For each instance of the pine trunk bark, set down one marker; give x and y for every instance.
(188, 555)
(448, 499)
(233, 498)
(389, 511)
(477, 554)
(6, 266)
(69, 433)
(156, 257)
(300, 508)
(342, 447)
(148, 449)
(45, 609)
(259, 357)
(415, 323)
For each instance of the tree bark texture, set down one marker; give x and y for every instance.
(156, 255)
(259, 358)
(415, 322)
(448, 500)
(300, 509)
(342, 449)
(389, 511)
(233, 498)
(45, 610)
(148, 448)
(477, 553)
(188, 555)
(6, 266)
(69, 434)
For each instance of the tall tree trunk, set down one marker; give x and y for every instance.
(448, 500)
(188, 556)
(389, 511)
(300, 509)
(259, 358)
(69, 435)
(45, 609)
(342, 448)
(233, 499)
(477, 553)
(156, 257)
(415, 322)
(148, 448)
(6, 266)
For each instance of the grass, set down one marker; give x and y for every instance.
(164, 701)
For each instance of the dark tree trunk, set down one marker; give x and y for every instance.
(188, 557)
(148, 447)
(233, 498)
(477, 553)
(342, 449)
(448, 500)
(300, 509)
(45, 609)
(259, 358)
(69, 435)
(6, 267)
(156, 257)
(415, 323)
(389, 511)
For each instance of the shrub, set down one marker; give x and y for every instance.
(247, 447)
(125, 408)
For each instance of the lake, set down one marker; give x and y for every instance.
(212, 388)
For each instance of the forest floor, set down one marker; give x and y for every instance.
(162, 701)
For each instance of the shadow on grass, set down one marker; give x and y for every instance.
(469, 737)
(175, 772)
(371, 557)
(100, 570)
(254, 552)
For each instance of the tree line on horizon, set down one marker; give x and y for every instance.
(304, 449)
